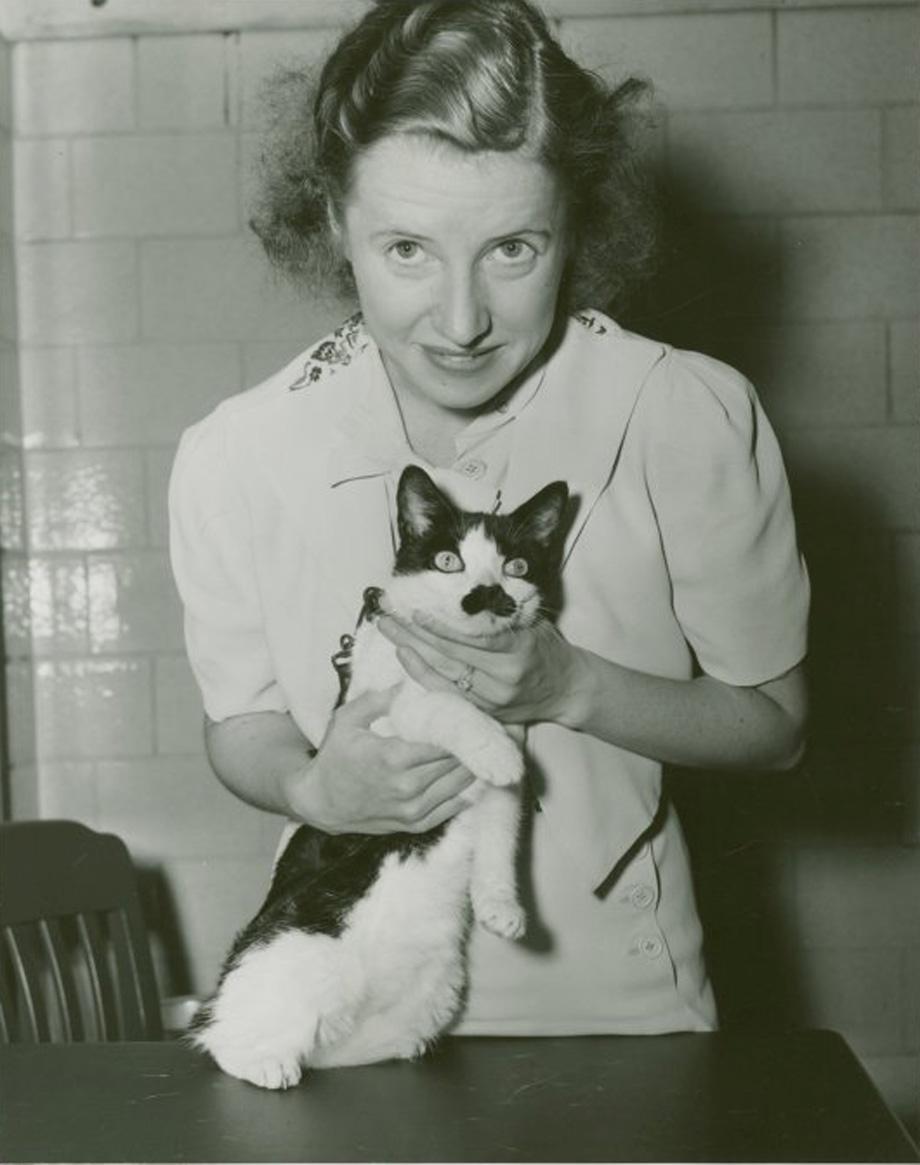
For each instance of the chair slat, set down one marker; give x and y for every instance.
(129, 992)
(75, 958)
(100, 976)
(8, 1014)
(21, 943)
(60, 966)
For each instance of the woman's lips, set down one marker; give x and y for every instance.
(458, 361)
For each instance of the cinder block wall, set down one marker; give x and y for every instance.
(787, 143)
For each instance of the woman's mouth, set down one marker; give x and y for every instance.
(458, 360)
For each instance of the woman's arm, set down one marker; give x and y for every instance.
(698, 723)
(537, 675)
(356, 782)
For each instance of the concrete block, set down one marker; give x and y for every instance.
(85, 500)
(851, 267)
(855, 478)
(814, 374)
(907, 581)
(715, 61)
(6, 85)
(213, 897)
(19, 692)
(157, 468)
(43, 194)
(58, 605)
(184, 184)
(859, 993)
(169, 807)
(77, 293)
(16, 605)
(93, 708)
(73, 86)
(858, 897)
(180, 713)
(133, 605)
(904, 358)
(10, 402)
(181, 82)
(67, 789)
(262, 53)
(779, 161)
(9, 327)
(902, 157)
(12, 503)
(146, 394)
(47, 378)
(6, 183)
(862, 57)
(215, 290)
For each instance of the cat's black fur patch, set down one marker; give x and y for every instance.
(320, 876)
(439, 525)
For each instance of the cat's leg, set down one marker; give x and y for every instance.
(448, 720)
(273, 1008)
(493, 885)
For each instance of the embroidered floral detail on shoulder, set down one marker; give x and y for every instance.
(333, 353)
(592, 323)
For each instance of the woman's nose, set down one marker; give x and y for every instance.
(462, 315)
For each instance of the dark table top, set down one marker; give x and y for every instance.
(800, 1096)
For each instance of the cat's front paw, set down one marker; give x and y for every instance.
(263, 1071)
(501, 914)
(498, 761)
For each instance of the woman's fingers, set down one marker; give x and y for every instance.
(482, 690)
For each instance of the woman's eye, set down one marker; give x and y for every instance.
(406, 250)
(516, 567)
(514, 250)
(448, 562)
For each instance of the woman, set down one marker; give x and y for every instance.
(475, 187)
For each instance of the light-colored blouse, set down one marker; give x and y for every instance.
(681, 558)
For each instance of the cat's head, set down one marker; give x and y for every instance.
(480, 573)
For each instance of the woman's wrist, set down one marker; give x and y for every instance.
(300, 789)
(578, 689)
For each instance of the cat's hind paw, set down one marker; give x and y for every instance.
(501, 914)
(263, 1071)
(499, 761)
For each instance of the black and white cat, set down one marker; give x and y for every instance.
(357, 954)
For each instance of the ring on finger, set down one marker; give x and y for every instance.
(465, 681)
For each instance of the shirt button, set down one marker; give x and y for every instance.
(472, 468)
(651, 947)
(642, 897)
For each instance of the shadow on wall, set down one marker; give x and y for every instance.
(720, 283)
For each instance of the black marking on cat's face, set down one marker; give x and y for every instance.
(513, 558)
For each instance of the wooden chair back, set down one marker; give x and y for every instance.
(74, 957)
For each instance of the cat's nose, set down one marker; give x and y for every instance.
(492, 598)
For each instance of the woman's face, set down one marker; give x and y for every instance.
(458, 260)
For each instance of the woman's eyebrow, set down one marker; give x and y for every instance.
(543, 233)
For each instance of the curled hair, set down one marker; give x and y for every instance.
(481, 75)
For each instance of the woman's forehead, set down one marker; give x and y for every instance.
(413, 181)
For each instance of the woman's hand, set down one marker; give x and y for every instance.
(518, 677)
(360, 782)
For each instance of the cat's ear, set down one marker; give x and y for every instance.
(540, 518)
(420, 504)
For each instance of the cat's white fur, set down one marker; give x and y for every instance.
(393, 980)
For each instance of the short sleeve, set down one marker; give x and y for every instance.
(211, 550)
(719, 488)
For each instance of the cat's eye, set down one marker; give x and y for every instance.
(516, 567)
(448, 562)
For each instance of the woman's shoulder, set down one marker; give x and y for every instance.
(682, 391)
(302, 385)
